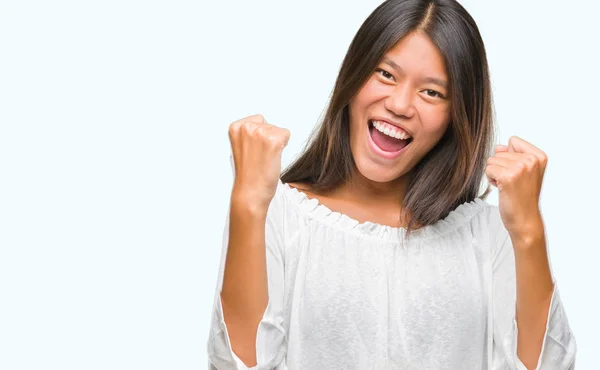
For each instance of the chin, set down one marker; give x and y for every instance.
(375, 173)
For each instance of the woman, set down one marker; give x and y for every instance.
(373, 250)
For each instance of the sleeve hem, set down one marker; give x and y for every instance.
(220, 345)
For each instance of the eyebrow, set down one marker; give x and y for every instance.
(432, 80)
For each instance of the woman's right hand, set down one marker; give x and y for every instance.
(257, 148)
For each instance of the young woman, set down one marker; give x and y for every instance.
(374, 249)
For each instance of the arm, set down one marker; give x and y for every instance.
(534, 292)
(247, 322)
(524, 294)
(530, 329)
(244, 294)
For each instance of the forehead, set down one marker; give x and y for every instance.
(416, 53)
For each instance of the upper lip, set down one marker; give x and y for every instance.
(392, 123)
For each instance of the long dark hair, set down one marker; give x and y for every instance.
(450, 173)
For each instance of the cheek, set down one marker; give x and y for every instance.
(434, 134)
(434, 123)
(434, 119)
(372, 90)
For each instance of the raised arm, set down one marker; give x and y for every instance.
(531, 325)
(247, 327)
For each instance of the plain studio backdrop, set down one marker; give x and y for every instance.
(114, 157)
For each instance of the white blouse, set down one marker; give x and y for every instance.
(349, 295)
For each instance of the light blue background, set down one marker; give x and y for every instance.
(114, 156)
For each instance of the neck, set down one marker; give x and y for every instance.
(368, 192)
(385, 200)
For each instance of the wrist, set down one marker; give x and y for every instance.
(249, 203)
(529, 234)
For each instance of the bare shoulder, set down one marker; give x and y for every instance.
(311, 193)
(301, 186)
(307, 189)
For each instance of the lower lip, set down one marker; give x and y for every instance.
(382, 153)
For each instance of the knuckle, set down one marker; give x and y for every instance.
(284, 135)
(531, 161)
(247, 126)
(234, 128)
(260, 129)
(273, 140)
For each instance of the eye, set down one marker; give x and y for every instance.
(384, 73)
(433, 93)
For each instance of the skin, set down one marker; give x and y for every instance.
(399, 95)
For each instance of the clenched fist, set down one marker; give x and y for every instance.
(257, 148)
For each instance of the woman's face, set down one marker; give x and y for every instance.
(407, 89)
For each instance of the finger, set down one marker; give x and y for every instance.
(258, 118)
(510, 155)
(518, 145)
(278, 136)
(286, 137)
(501, 161)
(496, 174)
(491, 181)
(501, 148)
(509, 160)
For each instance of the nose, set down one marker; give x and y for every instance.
(400, 101)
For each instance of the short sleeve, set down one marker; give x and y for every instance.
(271, 341)
(558, 347)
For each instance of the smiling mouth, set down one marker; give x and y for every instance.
(385, 142)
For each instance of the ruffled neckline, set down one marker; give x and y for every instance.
(320, 212)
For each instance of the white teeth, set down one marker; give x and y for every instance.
(389, 131)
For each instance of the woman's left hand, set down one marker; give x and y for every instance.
(517, 170)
